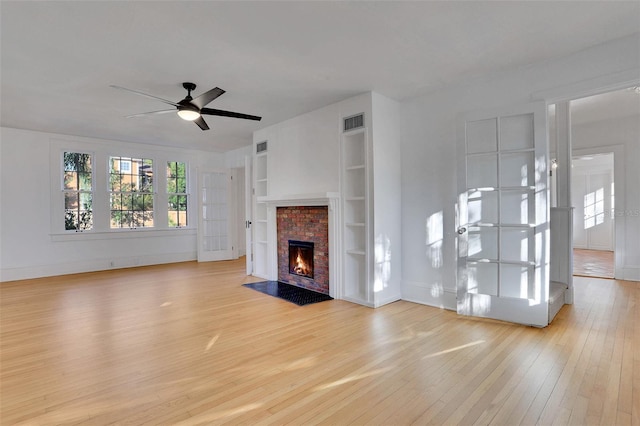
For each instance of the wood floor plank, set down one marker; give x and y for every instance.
(187, 344)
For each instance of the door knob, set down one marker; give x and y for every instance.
(462, 230)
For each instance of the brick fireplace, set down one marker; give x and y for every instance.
(312, 218)
(304, 226)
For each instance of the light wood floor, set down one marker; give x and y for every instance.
(187, 344)
(593, 263)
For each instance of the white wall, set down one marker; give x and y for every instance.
(387, 202)
(29, 247)
(304, 151)
(235, 158)
(429, 155)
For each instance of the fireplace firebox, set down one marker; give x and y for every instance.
(301, 258)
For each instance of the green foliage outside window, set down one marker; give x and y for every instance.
(131, 189)
(177, 194)
(78, 187)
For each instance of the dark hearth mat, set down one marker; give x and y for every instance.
(298, 295)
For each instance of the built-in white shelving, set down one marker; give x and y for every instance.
(370, 190)
(354, 215)
(261, 189)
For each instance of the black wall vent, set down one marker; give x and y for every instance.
(354, 122)
(261, 147)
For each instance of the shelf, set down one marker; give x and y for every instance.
(259, 228)
(357, 252)
(357, 167)
(354, 225)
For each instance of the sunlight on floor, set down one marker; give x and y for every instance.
(305, 362)
(213, 340)
(209, 417)
(353, 378)
(457, 348)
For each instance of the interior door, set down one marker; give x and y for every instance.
(214, 223)
(248, 208)
(592, 198)
(503, 215)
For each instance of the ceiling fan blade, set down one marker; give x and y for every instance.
(201, 123)
(137, 92)
(210, 111)
(207, 97)
(142, 114)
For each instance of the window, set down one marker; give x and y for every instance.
(177, 194)
(125, 166)
(594, 208)
(78, 191)
(131, 190)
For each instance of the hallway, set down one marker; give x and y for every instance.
(593, 263)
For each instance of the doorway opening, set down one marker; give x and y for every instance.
(593, 197)
(602, 129)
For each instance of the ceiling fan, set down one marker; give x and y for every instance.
(192, 109)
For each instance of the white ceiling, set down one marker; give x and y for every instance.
(274, 59)
(617, 104)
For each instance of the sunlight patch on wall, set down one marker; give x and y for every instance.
(382, 263)
(434, 239)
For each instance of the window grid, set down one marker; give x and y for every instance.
(177, 194)
(131, 192)
(77, 191)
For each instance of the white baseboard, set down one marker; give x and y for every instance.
(387, 300)
(426, 294)
(39, 271)
(628, 273)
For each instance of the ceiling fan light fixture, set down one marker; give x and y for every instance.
(188, 114)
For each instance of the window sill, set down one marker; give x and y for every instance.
(121, 234)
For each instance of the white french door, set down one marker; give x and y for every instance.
(592, 193)
(503, 215)
(214, 218)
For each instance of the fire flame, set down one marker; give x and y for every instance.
(301, 267)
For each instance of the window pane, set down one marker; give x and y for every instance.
(181, 185)
(171, 169)
(114, 182)
(182, 203)
(116, 219)
(131, 183)
(85, 181)
(77, 191)
(177, 190)
(70, 180)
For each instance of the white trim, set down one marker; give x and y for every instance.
(629, 273)
(101, 264)
(120, 233)
(300, 199)
(429, 294)
(589, 87)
